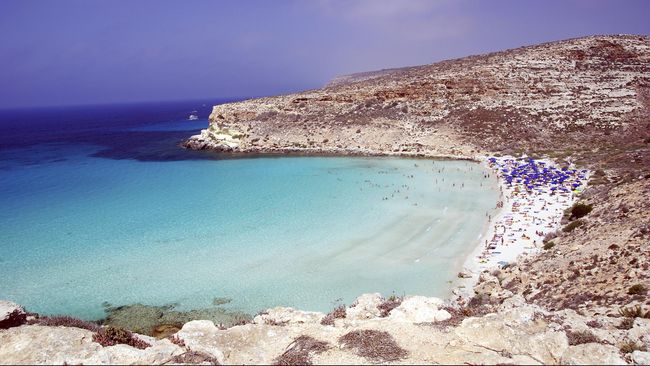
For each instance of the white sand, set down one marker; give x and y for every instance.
(518, 227)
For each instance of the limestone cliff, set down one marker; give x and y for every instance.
(541, 97)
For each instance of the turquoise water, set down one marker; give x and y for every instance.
(78, 230)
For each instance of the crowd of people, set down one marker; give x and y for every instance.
(535, 193)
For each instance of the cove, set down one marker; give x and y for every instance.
(305, 232)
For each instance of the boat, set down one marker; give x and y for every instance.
(193, 116)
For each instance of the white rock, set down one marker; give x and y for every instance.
(366, 307)
(592, 354)
(283, 315)
(419, 309)
(200, 336)
(641, 358)
(640, 332)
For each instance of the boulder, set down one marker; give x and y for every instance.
(641, 358)
(35, 344)
(365, 307)
(419, 309)
(487, 285)
(592, 354)
(640, 332)
(11, 315)
(202, 336)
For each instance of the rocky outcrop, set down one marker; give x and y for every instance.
(217, 138)
(419, 309)
(34, 344)
(514, 332)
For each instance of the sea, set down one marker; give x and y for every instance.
(100, 204)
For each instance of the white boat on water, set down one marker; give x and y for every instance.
(193, 116)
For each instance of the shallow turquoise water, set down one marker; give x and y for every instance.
(300, 232)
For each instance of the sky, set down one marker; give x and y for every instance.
(75, 52)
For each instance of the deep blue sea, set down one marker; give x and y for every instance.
(100, 204)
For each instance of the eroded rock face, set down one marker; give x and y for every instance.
(11, 315)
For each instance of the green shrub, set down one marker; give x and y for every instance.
(548, 245)
(580, 210)
(571, 226)
(636, 289)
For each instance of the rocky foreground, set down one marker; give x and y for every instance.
(418, 330)
(582, 301)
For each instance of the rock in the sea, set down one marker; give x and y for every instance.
(11, 315)
(592, 354)
(420, 309)
(284, 315)
(365, 307)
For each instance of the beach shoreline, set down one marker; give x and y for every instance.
(512, 219)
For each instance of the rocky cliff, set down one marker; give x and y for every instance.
(544, 97)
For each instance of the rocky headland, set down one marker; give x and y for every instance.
(581, 300)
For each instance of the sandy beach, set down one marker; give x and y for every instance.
(526, 212)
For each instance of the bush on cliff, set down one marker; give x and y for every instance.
(572, 226)
(111, 336)
(637, 289)
(67, 321)
(579, 210)
(581, 337)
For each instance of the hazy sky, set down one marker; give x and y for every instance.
(94, 51)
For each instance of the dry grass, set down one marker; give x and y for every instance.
(111, 336)
(299, 352)
(629, 347)
(177, 341)
(376, 346)
(634, 312)
(581, 337)
(337, 313)
(67, 321)
(389, 304)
